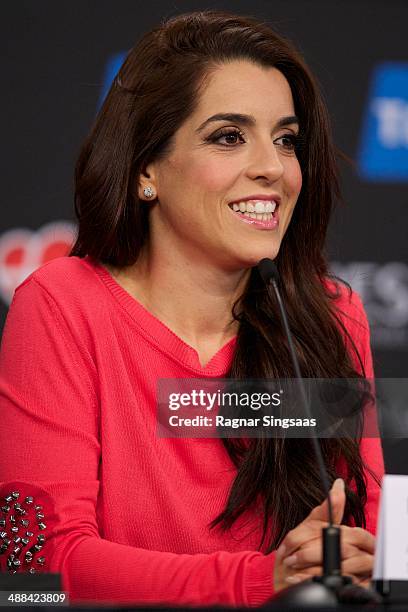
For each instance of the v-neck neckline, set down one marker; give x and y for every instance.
(159, 334)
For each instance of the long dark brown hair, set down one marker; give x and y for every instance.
(156, 90)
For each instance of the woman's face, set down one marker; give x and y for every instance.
(248, 160)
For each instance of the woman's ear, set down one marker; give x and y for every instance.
(147, 189)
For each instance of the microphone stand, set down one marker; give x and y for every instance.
(331, 587)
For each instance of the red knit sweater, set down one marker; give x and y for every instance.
(126, 512)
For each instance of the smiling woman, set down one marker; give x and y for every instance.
(208, 169)
(212, 151)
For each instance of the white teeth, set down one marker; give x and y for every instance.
(254, 206)
(247, 214)
(270, 207)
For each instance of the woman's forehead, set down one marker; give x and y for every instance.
(246, 88)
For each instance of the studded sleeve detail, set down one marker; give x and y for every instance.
(23, 528)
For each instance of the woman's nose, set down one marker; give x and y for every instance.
(265, 162)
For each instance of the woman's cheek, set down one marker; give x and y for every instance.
(213, 176)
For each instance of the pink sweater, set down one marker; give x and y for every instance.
(126, 512)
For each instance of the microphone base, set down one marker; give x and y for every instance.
(333, 581)
(325, 591)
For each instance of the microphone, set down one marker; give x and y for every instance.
(331, 587)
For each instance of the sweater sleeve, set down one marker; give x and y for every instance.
(370, 447)
(50, 451)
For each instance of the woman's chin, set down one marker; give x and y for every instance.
(252, 259)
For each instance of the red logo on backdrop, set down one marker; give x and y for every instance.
(22, 251)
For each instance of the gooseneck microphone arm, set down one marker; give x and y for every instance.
(331, 535)
(332, 587)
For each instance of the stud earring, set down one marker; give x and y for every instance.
(148, 192)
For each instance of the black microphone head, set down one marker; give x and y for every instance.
(268, 270)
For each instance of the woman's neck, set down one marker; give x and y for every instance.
(195, 301)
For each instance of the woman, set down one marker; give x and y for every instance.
(211, 152)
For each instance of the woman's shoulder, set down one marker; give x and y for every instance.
(349, 310)
(65, 280)
(70, 285)
(64, 299)
(346, 302)
(62, 274)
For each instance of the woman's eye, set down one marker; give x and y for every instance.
(287, 141)
(231, 137)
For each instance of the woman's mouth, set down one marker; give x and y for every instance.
(261, 213)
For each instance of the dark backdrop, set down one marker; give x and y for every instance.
(54, 58)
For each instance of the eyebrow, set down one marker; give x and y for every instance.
(248, 120)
